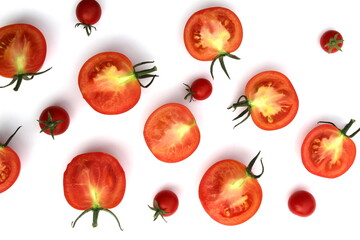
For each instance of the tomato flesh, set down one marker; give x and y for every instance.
(211, 32)
(108, 84)
(9, 168)
(326, 152)
(94, 180)
(171, 133)
(228, 194)
(273, 100)
(22, 50)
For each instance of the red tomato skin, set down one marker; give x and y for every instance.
(202, 89)
(290, 103)
(324, 168)
(212, 18)
(219, 199)
(10, 166)
(302, 203)
(58, 114)
(167, 201)
(94, 174)
(159, 133)
(327, 36)
(107, 96)
(21, 40)
(88, 11)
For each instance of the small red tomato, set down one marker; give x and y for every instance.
(200, 89)
(9, 165)
(54, 120)
(331, 41)
(165, 204)
(88, 12)
(302, 203)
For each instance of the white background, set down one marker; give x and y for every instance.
(279, 35)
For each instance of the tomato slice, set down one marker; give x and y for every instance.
(270, 99)
(171, 133)
(327, 151)
(212, 31)
(94, 181)
(10, 165)
(229, 193)
(22, 50)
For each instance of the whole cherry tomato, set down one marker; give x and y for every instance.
(88, 12)
(165, 204)
(54, 120)
(200, 89)
(331, 41)
(302, 203)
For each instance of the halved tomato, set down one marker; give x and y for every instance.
(229, 192)
(94, 182)
(270, 99)
(171, 133)
(213, 33)
(22, 52)
(110, 84)
(10, 165)
(328, 151)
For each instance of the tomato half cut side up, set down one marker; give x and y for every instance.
(229, 192)
(171, 133)
(328, 151)
(9, 165)
(94, 182)
(22, 53)
(213, 33)
(270, 99)
(110, 83)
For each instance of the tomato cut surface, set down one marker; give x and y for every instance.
(171, 133)
(271, 100)
(327, 152)
(94, 180)
(110, 84)
(10, 165)
(212, 31)
(228, 193)
(23, 50)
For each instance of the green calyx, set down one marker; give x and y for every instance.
(50, 125)
(9, 139)
(334, 43)
(242, 102)
(18, 78)
(222, 64)
(251, 164)
(189, 94)
(146, 73)
(96, 212)
(88, 28)
(158, 211)
(345, 129)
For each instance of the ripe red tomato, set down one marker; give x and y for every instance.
(88, 12)
(171, 133)
(200, 89)
(165, 204)
(22, 53)
(302, 203)
(94, 182)
(110, 84)
(331, 41)
(9, 165)
(270, 99)
(229, 192)
(54, 120)
(328, 151)
(213, 33)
